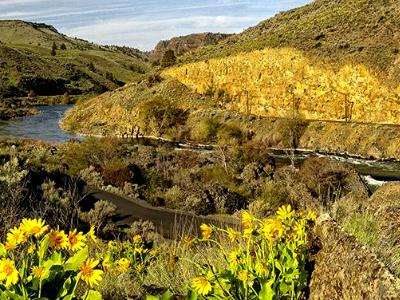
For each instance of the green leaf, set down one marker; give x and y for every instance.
(192, 295)
(167, 296)
(44, 245)
(94, 295)
(150, 297)
(3, 251)
(74, 262)
(267, 292)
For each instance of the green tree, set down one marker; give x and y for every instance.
(168, 59)
(53, 49)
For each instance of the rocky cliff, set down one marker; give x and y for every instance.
(183, 44)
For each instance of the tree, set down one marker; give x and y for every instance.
(63, 47)
(168, 59)
(53, 49)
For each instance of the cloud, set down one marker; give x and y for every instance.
(142, 23)
(146, 33)
(20, 2)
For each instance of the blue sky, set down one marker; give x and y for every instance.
(142, 23)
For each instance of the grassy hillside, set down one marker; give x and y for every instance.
(284, 83)
(334, 31)
(78, 67)
(152, 107)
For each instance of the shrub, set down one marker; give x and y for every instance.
(175, 197)
(206, 130)
(116, 173)
(159, 115)
(228, 132)
(100, 215)
(168, 59)
(271, 198)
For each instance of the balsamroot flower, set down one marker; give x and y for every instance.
(206, 231)
(89, 274)
(8, 272)
(35, 227)
(202, 286)
(76, 240)
(58, 239)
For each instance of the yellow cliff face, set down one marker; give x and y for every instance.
(284, 83)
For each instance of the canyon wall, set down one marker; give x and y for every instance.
(284, 83)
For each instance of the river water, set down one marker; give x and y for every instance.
(45, 126)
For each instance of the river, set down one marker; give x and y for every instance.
(45, 126)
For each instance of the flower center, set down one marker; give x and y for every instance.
(8, 269)
(87, 271)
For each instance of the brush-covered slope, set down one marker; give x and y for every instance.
(151, 107)
(330, 60)
(77, 67)
(336, 31)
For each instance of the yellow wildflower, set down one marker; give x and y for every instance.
(35, 227)
(16, 236)
(138, 250)
(202, 286)
(76, 240)
(123, 265)
(58, 239)
(89, 274)
(243, 275)
(285, 212)
(8, 272)
(232, 234)
(311, 216)
(111, 245)
(10, 245)
(272, 229)
(106, 263)
(31, 249)
(206, 231)
(153, 252)
(247, 220)
(91, 234)
(140, 268)
(137, 239)
(234, 259)
(261, 269)
(37, 272)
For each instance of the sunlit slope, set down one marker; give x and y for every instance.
(285, 83)
(335, 31)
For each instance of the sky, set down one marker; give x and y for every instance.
(142, 23)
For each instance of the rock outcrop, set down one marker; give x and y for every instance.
(183, 44)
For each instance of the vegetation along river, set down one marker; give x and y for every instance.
(45, 126)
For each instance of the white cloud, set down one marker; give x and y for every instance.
(25, 2)
(146, 33)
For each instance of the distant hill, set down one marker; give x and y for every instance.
(78, 67)
(334, 31)
(183, 44)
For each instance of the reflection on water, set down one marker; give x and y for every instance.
(43, 126)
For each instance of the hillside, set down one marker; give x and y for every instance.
(183, 44)
(151, 107)
(333, 31)
(329, 66)
(78, 67)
